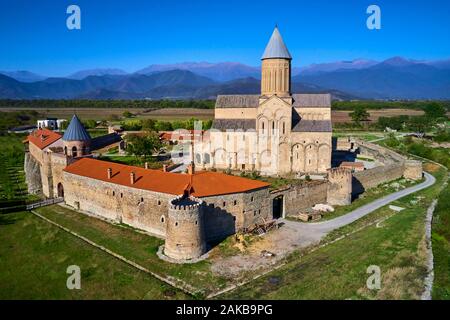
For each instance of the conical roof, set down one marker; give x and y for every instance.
(276, 47)
(76, 131)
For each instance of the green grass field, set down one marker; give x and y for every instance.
(138, 247)
(12, 177)
(338, 271)
(34, 256)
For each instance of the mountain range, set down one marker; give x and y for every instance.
(395, 78)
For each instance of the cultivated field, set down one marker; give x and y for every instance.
(171, 114)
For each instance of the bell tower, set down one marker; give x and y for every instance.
(276, 67)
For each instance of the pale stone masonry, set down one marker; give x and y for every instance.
(277, 132)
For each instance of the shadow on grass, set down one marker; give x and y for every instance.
(10, 218)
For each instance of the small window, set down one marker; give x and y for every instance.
(196, 222)
(142, 199)
(254, 213)
(235, 202)
(251, 199)
(224, 204)
(176, 224)
(159, 202)
(162, 219)
(114, 193)
(284, 128)
(121, 195)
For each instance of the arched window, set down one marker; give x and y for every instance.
(284, 128)
(74, 151)
(206, 158)
(263, 128)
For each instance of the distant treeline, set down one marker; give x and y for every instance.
(126, 104)
(374, 104)
(200, 104)
(10, 120)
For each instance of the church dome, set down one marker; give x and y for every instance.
(276, 49)
(76, 131)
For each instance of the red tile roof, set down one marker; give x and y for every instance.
(352, 164)
(202, 183)
(42, 138)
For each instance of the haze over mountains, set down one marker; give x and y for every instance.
(395, 78)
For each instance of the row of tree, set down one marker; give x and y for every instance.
(107, 104)
(434, 113)
(377, 105)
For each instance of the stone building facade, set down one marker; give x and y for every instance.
(275, 133)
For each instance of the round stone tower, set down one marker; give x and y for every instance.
(185, 237)
(77, 141)
(339, 190)
(276, 68)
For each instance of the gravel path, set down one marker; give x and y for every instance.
(294, 235)
(330, 225)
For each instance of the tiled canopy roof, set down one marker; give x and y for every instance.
(319, 100)
(76, 131)
(42, 138)
(276, 47)
(237, 101)
(312, 126)
(202, 184)
(106, 140)
(314, 100)
(234, 124)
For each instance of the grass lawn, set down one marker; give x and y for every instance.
(138, 247)
(441, 217)
(12, 176)
(34, 256)
(441, 247)
(338, 271)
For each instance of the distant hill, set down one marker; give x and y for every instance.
(223, 71)
(338, 65)
(23, 76)
(391, 79)
(96, 72)
(394, 78)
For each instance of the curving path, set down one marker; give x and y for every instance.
(322, 228)
(294, 235)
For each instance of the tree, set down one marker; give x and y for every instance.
(360, 114)
(90, 124)
(163, 126)
(127, 114)
(143, 146)
(419, 124)
(148, 124)
(435, 110)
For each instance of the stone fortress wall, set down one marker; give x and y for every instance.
(212, 218)
(341, 184)
(148, 210)
(393, 166)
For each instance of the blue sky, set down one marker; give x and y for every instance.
(135, 33)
